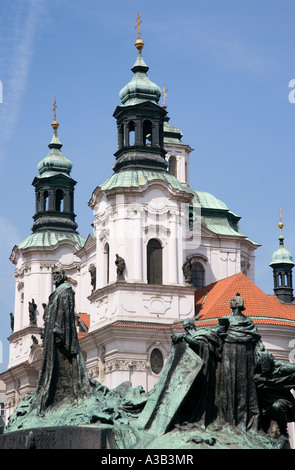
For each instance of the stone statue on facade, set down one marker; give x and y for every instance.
(32, 313)
(11, 322)
(187, 272)
(121, 266)
(92, 271)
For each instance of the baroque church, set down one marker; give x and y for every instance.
(160, 252)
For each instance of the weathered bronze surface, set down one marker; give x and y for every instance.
(218, 389)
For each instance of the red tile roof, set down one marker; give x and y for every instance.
(85, 319)
(82, 334)
(213, 301)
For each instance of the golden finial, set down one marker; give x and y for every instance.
(164, 95)
(54, 124)
(139, 42)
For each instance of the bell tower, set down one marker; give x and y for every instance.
(54, 241)
(282, 265)
(140, 121)
(140, 224)
(54, 189)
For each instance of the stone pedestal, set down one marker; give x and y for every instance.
(63, 437)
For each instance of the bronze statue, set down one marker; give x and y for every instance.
(217, 388)
(63, 374)
(200, 404)
(236, 391)
(274, 381)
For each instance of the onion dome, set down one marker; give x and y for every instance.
(140, 88)
(55, 162)
(281, 255)
(282, 266)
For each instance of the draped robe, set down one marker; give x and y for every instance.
(63, 374)
(236, 390)
(200, 404)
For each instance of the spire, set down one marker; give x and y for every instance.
(140, 88)
(140, 119)
(139, 42)
(282, 265)
(54, 124)
(164, 96)
(54, 188)
(281, 225)
(55, 161)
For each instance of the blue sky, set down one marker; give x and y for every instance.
(227, 65)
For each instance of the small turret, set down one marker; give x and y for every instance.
(282, 265)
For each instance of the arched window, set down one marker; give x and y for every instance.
(156, 361)
(45, 200)
(38, 202)
(173, 166)
(147, 133)
(59, 196)
(131, 129)
(71, 201)
(154, 262)
(198, 275)
(107, 262)
(120, 136)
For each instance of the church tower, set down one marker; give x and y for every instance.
(155, 241)
(140, 122)
(54, 189)
(282, 265)
(53, 242)
(141, 220)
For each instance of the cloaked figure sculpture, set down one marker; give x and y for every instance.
(63, 375)
(236, 391)
(275, 381)
(200, 403)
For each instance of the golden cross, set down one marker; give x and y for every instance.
(54, 109)
(164, 94)
(138, 22)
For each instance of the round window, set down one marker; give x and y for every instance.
(156, 361)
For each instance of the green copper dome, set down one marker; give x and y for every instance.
(140, 88)
(281, 255)
(55, 162)
(51, 238)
